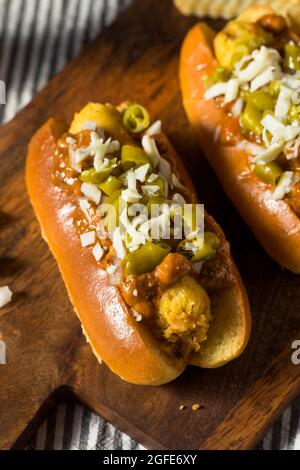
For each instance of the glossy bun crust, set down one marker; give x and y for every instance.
(274, 223)
(126, 346)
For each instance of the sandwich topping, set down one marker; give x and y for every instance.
(257, 83)
(130, 205)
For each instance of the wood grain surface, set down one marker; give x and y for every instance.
(47, 356)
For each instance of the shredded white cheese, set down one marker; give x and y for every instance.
(284, 185)
(5, 296)
(130, 195)
(141, 172)
(232, 90)
(154, 129)
(118, 244)
(283, 103)
(269, 154)
(267, 76)
(251, 73)
(151, 150)
(237, 107)
(151, 190)
(152, 178)
(253, 149)
(216, 90)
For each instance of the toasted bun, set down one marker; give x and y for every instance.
(275, 225)
(126, 346)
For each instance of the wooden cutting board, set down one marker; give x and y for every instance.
(47, 356)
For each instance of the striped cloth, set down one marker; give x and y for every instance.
(37, 37)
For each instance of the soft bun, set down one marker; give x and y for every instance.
(276, 226)
(125, 345)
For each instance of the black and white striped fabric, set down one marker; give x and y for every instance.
(37, 37)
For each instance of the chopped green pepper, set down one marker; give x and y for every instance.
(270, 172)
(292, 57)
(136, 118)
(261, 99)
(274, 88)
(238, 39)
(110, 185)
(251, 119)
(154, 201)
(146, 258)
(220, 74)
(294, 113)
(206, 251)
(132, 155)
(112, 218)
(95, 177)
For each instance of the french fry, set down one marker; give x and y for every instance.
(227, 9)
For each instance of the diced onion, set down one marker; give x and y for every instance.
(98, 252)
(92, 192)
(85, 206)
(88, 238)
(73, 159)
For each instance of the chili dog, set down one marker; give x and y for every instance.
(241, 93)
(148, 307)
